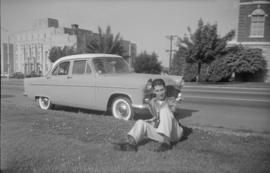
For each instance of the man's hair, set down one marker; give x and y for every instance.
(158, 82)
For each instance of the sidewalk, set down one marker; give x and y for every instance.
(232, 85)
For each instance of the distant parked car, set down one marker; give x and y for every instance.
(34, 74)
(17, 75)
(4, 75)
(99, 82)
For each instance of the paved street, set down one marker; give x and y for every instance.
(237, 108)
(245, 109)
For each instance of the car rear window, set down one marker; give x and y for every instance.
(79, 67)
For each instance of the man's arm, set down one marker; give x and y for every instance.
(153, 111)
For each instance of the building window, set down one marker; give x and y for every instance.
(257, 23)
(257, 26)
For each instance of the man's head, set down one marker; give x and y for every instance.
(159, 88)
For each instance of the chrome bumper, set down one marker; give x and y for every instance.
(140, 108)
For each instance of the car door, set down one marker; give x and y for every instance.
(81, 83)
(56, 84)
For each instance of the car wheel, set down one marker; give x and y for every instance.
(121, 108)
(44, 103)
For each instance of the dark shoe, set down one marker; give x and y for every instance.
(125, 146)
(163, 147)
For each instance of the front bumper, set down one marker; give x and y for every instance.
(140, 108)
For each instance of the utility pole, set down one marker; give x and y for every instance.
(171, 37)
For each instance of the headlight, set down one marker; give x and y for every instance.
(148, 86)
(148, 91)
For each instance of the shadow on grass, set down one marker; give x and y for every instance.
(79, 110)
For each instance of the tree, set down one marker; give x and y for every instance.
(146, 63)
(178, 62)
(247, 65)
(105, 43)
(204, 45)
(55, 54)
(58, 52)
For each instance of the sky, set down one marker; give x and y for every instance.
(144, 22)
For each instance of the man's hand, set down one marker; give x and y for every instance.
(172, 104)
(153, 121)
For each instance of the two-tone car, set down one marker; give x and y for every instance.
(97, 82)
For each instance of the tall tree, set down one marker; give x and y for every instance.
(105, 42)
(179, 63)
(147, 63)
(204, 45)
(58, 52)
(55, 53)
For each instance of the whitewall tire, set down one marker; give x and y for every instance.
(121, 108)
(44, 103)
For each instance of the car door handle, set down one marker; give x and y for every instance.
(69, 77)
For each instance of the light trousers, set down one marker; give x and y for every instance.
(168, 127)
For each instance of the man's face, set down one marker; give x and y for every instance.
(160, 92)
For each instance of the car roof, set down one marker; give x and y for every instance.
(79, 56)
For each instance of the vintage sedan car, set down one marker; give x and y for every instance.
(98, 82)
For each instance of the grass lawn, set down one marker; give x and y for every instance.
(71, 140)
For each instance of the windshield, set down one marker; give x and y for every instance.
(107, 65)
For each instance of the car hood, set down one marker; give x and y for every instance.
(133, 80)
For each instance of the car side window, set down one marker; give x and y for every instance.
(63, 68)
(79, 67)
(99, 66)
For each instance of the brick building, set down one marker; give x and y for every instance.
(29, 50)
(254, 27)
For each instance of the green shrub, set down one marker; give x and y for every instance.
(190, 72)
(219, 71)
(247, 64)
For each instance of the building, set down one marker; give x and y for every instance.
(7, 59)
(254, 27)
(30, 49)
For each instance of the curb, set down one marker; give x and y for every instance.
(221, 131)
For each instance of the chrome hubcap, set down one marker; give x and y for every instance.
(45, 101)
(122, 109)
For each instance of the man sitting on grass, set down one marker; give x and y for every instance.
(163, 127)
